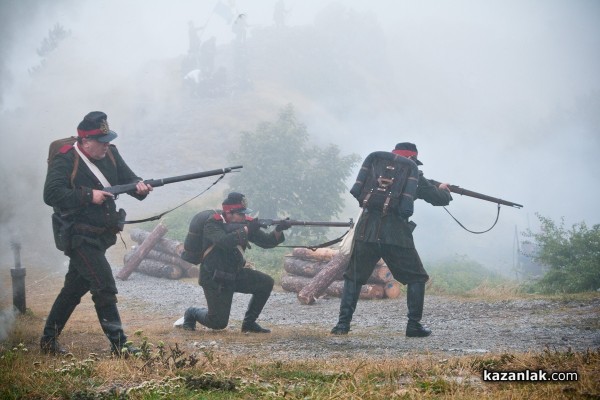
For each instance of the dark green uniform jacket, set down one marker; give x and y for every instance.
(227, 253)
(392, 228)
(66, 194)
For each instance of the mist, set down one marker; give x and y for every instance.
(501, 97)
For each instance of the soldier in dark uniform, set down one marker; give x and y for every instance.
(73, 187)
(226, 235)
(390, 237)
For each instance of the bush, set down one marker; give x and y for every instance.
(460, 275)
(572, 256)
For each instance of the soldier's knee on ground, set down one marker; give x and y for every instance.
(217, 322)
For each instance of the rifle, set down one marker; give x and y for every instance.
(119, 189)
(230, 227)
(293, 222)
(264, 223)
(465, 192)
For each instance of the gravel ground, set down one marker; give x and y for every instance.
(301, 332)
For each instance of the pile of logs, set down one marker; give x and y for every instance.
(157, 256)
(312, 274)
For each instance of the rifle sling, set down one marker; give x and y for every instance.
(159, 216)
(462, 226)
(318, 246)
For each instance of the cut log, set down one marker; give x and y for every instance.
(159, 269)
(294, 283)
(142, 251)
(310, 268)
(323, 254)
(367, 292)
(323, 279)
(381, 273)
(303, 267)
(156, 268)
(169, 259)
(164, 245)
(393, 289)
(336, 266)
(193, 272)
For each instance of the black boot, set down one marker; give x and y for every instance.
(257, 302)
(348, 302)
(192, 315)
(110, 321)
(51, 346)
(415, 298)
(60, 312)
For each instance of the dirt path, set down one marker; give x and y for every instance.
(301, 332)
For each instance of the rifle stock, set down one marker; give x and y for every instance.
(458, 190)
(128, 187)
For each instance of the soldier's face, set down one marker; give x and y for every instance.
(95, 149)
(236, 217)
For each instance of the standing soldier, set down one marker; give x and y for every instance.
(86, 223)
(387, 234)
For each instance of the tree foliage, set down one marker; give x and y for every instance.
(459, 274)
(55, 36)
(286, 176)
(572, 256)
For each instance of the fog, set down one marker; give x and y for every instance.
(501, 97)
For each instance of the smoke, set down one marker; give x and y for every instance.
(501, 97)
(7, 319)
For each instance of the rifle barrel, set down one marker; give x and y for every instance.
(293, 222)
(119, 189)
(196, 175)
(465, 192)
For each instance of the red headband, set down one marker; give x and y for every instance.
(405, 153)
(84, 134)
(232, 207)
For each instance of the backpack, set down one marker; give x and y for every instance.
(56, 146)
(193, 244)
(385, 182)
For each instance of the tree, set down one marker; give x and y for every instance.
(55, 36)
(285, 176)
(573, 256)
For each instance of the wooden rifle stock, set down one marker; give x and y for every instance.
(465, 192)
(128, 187)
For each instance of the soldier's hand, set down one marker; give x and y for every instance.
(142, 188)
(100, 196)
(254, 226)
(284, 225)
(444, 186)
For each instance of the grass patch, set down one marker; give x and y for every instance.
(28, 374)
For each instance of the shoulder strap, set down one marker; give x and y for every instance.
(75, 168)
(111, 156)
(95, 170)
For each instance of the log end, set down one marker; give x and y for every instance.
(306, 300)
(122, 276)
(193, 272)
(393, 289)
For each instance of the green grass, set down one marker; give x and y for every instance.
(27, 374)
